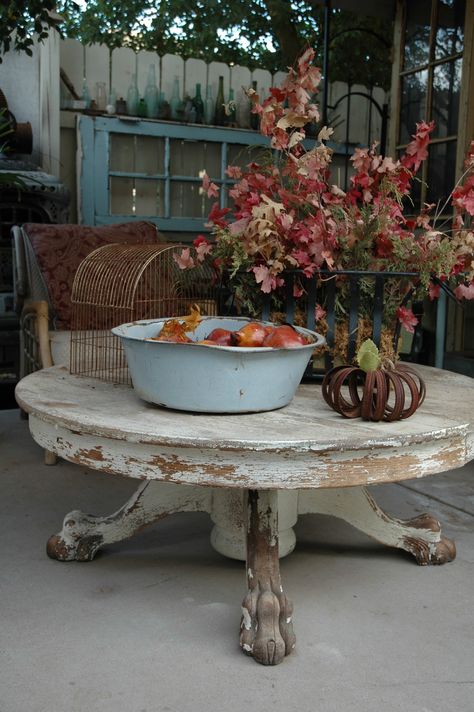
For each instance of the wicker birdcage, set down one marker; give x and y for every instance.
(117, 284)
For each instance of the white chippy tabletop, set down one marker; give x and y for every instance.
(307, 423)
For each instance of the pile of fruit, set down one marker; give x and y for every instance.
(252, 334)
(257, 334)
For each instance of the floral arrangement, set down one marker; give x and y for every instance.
(289, 215)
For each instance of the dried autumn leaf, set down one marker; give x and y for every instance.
(291, 119)
(176, 330)
(295, 138)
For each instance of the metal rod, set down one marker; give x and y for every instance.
(353, 317)
(327, 27)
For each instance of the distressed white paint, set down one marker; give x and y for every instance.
(108, 428)
(355, 506)
(303, 445)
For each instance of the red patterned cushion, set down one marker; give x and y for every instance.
(60, 249)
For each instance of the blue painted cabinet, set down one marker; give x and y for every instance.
(150, 170)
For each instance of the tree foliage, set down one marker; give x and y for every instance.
(268, 34)
(22, 22)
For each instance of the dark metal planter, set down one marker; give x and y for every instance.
(322, 289)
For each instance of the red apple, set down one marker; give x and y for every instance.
(252, 334)
(284, 337)
(223, 337)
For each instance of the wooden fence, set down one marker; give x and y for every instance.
(356, 119)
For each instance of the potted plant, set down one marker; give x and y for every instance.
(290, 223)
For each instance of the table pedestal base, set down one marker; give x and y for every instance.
(249, 525)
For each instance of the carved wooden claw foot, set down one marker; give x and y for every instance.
(75, 542)
(266, 630)
(426, 543)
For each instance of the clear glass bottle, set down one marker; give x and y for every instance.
(198, 105)
(133, 97)
(175, 101)
(219, 114)
(208, 106)
(100, 96)
(111, 102)
(86, 94)
(151, 94)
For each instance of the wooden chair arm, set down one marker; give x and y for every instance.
(41, 311)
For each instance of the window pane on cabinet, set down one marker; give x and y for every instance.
(413, 104)
(149, 198)
(449, 38)
(417, 35)
(121, 196)
(441, 171)
(187, 158)
(150, 155)
(122, 153)
(240, 155)
(446, 89)
(186, 201)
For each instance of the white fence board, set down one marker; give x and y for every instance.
(124, 65)
(359, 116)
(264, 82)
(337, 116)
(195, 72)
(97, 68)
(277, 78)
(240, 77)
(172, 66)
(216, 70)
(72, 61)
(144, 60)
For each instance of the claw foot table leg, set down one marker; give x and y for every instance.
(420, 536)
(83, 535)
(266, 627)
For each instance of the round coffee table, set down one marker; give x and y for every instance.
(254, 474)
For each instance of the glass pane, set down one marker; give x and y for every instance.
(240, 155)
(186, 201)
(417, 34)
(136, 154)
(149, 198)
(441, 171)
(446, 89)
(413, 103)
(149, 155)
(122, 152)
(189, 157)
(450, 28)
(121, 196)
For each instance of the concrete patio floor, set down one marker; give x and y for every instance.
(152, 624)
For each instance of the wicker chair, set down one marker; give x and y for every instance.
(45, 260)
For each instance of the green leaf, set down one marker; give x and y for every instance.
(368, 356)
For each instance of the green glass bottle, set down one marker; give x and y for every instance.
(219, 114)
(198, 105)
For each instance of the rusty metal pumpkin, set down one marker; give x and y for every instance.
(369, 394)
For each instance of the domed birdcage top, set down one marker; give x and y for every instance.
(117, 284)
